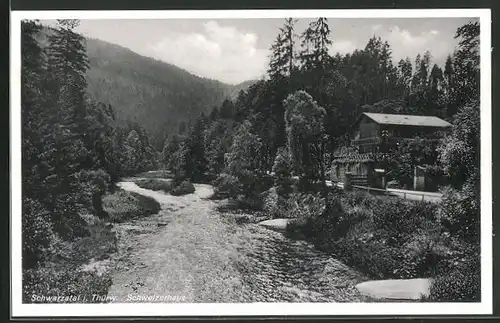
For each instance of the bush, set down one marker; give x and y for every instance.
(274, 204)
(66, 219)
(459, 212)
(122, 205)
(47, 282)
(226, 186)
(155, 184)
(383, 237)
(400, 218)
(98, 245)
(38, 237)
(183, 188)
(462, 283)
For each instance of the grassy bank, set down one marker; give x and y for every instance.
(80, 267)
(169, 187)
(156, 174)
(122, 205)
(390, 238)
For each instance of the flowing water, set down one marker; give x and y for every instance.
(190, 252)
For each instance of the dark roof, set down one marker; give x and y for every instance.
(405, 120)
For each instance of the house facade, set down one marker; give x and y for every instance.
(373, 137)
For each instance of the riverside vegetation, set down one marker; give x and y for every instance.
(75, 151)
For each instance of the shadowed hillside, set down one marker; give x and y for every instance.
(150, 92)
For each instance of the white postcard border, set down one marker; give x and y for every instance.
(251, 309)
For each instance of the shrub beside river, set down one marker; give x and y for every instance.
(63, 271)
(174, 187)
(390, 238)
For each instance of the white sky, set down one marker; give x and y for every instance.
(235, 50)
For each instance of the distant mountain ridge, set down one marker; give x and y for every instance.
(155, 94)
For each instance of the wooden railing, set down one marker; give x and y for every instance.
(405, 194)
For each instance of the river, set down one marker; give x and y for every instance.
(190, 252)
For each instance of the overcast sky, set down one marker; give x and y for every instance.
(235, 50)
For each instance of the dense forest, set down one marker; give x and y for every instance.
(156, 95)
(312, 98)
(291, 124)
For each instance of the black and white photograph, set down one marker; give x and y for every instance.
(251, 162)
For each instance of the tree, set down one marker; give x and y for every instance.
(435, 95)
(419, 94)
(171, 145)
(282, 170)
(191, 159)
(459, 155)
(32, 114)
(405, 72)
(282, 60)
(68, 65)
(466, 64)
(217, 139)
(133, 152)
(315, 42)
(305, 132)
(242, 162)
(459, 152)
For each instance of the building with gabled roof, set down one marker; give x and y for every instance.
(373, 136)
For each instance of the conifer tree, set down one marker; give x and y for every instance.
(282, 60)
(315, 42)
(68, 64)
(305, 131)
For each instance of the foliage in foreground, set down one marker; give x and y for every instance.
(60, 271)
(122, 205)
(154, 184)
(390, 239)
(184, 188)
(462, 283)
(175, 187)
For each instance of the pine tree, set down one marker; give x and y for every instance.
(133, 152)
(449, 87)
(315, 45)
(32, 114)
(305, 131)
(243, 163)
(282, 169)
(405, 72)
(282, 60)
(171, 145)
(68, 64)
(191, 160)
(466, 66)
(435, 94)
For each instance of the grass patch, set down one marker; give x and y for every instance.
(155, 184)
(176, 188)
(156, 174)
(122, 205)
(63, 273)
(183, 188)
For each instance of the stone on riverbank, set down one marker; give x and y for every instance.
(402, 289)
(275, 224)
